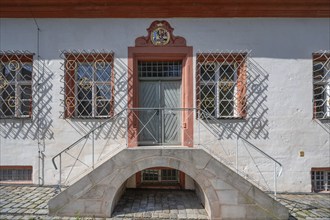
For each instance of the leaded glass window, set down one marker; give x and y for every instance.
(89, 85)
(16, 85)
(221, 82)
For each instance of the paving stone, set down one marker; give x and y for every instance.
(42, 212)
(4, 217)
(147, 215)
(138, 215)
(4, 210)
(32, 206)
(12, 211)
(164, 216)
(21, 210)
(30, 211)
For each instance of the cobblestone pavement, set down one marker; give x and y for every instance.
(307, 206)
(30, 202)
(159, 204)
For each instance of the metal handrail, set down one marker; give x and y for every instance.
(85, 136)
(248, 142)
(202, 114)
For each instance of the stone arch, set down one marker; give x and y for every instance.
(161, 161)
(227, 194)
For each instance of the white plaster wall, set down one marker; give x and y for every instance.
(281, 47)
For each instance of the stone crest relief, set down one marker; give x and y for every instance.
(160, 33)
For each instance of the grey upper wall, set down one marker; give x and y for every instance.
(281, 38)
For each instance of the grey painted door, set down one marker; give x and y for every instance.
(171, 117)
(160, 122)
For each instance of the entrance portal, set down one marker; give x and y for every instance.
(160, 80)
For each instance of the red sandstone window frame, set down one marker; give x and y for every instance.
(19, 58)
(73, 60)
(238, 59)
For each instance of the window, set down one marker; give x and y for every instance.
(16, 85)
(160, 69)
(15, 173)
(160, 175)
(320, 179)
(221, 84)
(321, 85)
(88, 85)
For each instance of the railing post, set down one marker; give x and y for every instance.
(199, 127)
(126, 129)
(60, 182)
(162, 119)
(93, 149)
(275, 180)
(237, 154)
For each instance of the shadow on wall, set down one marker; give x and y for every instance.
(324, 124)
(255, 126)
(115, 130)
(40, 126)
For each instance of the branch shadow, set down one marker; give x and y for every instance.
(324, 124)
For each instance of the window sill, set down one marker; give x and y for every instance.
(227, 119)
(89, 118)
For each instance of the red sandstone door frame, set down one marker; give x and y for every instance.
(158, 53)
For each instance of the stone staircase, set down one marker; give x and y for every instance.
(226, 194)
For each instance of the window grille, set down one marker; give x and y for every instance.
(321, 84)
(320, 179)
(89, 85)
(221, 84)
(16, 84)
(17, 173)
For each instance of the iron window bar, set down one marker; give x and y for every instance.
(221, 83)
(321, 84)
(88, 83)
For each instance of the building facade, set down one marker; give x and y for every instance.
(251, 90)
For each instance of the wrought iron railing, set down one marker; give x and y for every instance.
(243, 150)
(166, 126)
(72, 160)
